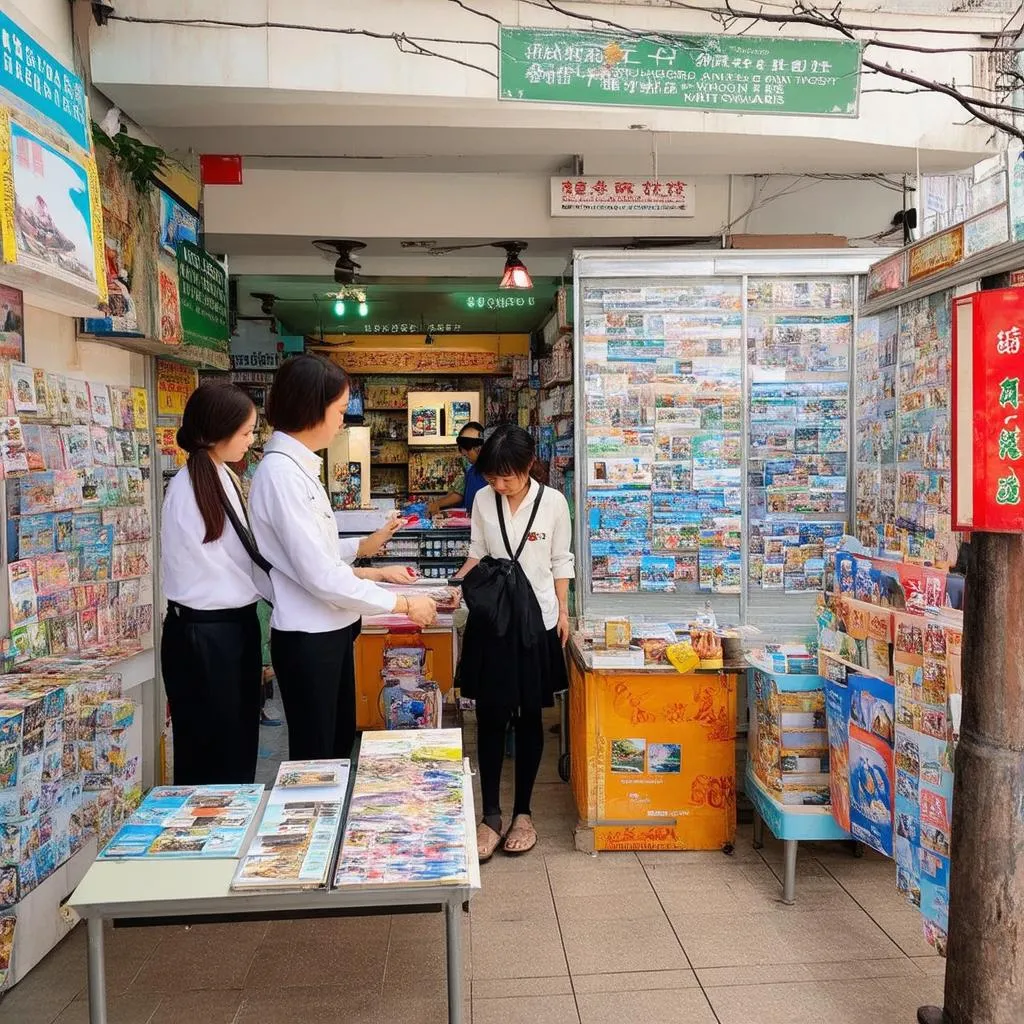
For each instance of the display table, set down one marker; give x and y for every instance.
(161, 891)
(653, 756)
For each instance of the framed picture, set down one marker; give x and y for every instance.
(12, 324)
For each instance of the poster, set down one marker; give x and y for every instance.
(202, 299)
(177, 224)
(837, 702)
(871, 737)
(174, 383)
(12, 324)
(54, 225)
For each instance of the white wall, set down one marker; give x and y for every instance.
(48, 21)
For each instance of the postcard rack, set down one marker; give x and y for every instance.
(714, 443)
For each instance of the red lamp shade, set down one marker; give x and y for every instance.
(516, 275)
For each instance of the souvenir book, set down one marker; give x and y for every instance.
(406, 821)
(296, 840)
(188, 821)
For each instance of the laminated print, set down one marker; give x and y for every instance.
(872, 767)
(77, 443)
(13, 451)
(23, 388)
(99, 405)
(102, 446)
(22, 591)
(79, 401)
(53, 574)
(32, 439)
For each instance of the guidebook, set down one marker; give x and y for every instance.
(188, 821)
(294, 845)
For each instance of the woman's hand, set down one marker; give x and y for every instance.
(397, 574)
(422, 610)
(369, 546)
(433, 507)
(563, 626)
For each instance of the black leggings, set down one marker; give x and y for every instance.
(491, 731)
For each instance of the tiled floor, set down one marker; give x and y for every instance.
(555, 937)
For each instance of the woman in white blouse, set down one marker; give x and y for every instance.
(210, 652)
(512, 682)
(318, 596)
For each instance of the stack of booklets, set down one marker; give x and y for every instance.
(406, 822)
(188, 821)
(294, 845)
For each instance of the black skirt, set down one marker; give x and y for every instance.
(504, 676)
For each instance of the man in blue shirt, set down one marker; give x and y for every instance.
(469, 443)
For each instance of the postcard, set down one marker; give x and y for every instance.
(99, 405)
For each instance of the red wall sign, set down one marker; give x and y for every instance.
(215, 169)
(988, 411)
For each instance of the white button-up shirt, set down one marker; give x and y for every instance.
(206, 577)
(547, 555)
(315, 589)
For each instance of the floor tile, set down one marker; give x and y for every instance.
(205, 956)
(633, 981)
(688, 1006)
(209, 1007)
(606, 947)
(323, 1004)
(350, 952)
(133, 1008)
(529, 1010)
(933, 966)
(905, 929)
(516, 949)
(780, 937)
(724, 977)
(504, 988)
(577, 874)
(823, 1002)
(608, 907)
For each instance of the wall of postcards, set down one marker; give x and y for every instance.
(903, 431)
(799, 343)
(681, 484)
(875, 448)
(78, 547)
(664, 435)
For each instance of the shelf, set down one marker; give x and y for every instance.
(191, 354)
(559, 382)
(386, 465)
(401, 409)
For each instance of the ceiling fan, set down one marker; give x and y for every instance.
(346, 268)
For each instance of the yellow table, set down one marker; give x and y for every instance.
(653, 756)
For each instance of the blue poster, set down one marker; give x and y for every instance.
(872, 782)
(40, 84)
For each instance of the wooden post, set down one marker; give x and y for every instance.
(985, 966)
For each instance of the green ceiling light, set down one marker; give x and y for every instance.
(364, 308)
(339, 308)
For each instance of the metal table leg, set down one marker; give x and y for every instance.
(453, 934)
(97, 972)
(789, 872)
(758, 831)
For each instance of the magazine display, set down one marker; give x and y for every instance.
(188, 821)
(294, 845)
(406, 824)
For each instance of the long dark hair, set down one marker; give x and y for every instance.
(214, 412)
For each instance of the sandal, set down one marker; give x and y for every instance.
(522, 836)
(487, 841)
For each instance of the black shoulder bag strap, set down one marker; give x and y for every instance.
(242, 529)
(529, 524)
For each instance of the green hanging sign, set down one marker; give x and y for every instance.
(738, 74)
(203, 298)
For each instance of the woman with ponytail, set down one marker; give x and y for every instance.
(211, 652)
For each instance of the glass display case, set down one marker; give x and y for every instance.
(714, 427)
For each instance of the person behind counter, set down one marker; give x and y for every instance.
(512, 681)
(469, 442)
(318, 596)
(210, 653)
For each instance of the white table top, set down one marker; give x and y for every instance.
(185, 888)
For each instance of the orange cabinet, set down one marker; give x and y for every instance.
(653, 758)
(369, 653)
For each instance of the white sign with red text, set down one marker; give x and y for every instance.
(621, 197)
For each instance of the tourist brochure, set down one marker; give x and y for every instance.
(406, 822)
(188, 821)
(294, 844)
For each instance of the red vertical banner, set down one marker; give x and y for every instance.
(988, 404)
